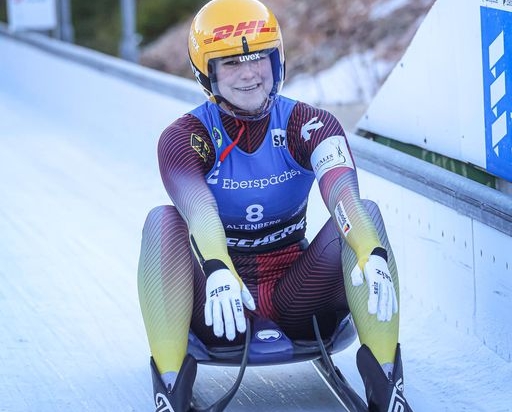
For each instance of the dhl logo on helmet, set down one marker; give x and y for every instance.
(244, 27)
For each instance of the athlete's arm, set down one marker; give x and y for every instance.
(185, 155)
(323, 147)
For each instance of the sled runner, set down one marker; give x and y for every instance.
(267, 344)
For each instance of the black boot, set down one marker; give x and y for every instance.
(179, 397)
(383, 393)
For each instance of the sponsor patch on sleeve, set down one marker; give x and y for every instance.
(330, 154)
(342, 219)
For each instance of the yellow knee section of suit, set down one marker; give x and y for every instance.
(165, 286)
(167, 328)
(380, 337)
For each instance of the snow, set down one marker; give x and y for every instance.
(79, 175)
(352, 80)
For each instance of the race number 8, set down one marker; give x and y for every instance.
(254, 213)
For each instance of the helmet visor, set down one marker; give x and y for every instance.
(245, 85)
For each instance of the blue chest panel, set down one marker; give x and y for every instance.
(260, 191)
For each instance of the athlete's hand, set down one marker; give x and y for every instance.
(382, 299)
(224, 303)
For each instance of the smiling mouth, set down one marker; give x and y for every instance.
(248, 88)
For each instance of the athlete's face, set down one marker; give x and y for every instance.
(244, 82)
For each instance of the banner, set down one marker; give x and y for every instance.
(497, 70)
(31, 14)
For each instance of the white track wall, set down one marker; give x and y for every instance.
(451, 93)
(449, 262)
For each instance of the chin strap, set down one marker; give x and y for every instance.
(238, 113)
(228, 149)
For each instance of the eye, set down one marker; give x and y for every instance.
(230, 62)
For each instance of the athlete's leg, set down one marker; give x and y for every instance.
(165, 283)
(380, 337)
(378, 359)
(312, 286)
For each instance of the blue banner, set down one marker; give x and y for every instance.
(497, 73)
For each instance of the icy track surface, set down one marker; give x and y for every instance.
(74, 196)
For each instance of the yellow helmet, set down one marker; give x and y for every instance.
(225, 28)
